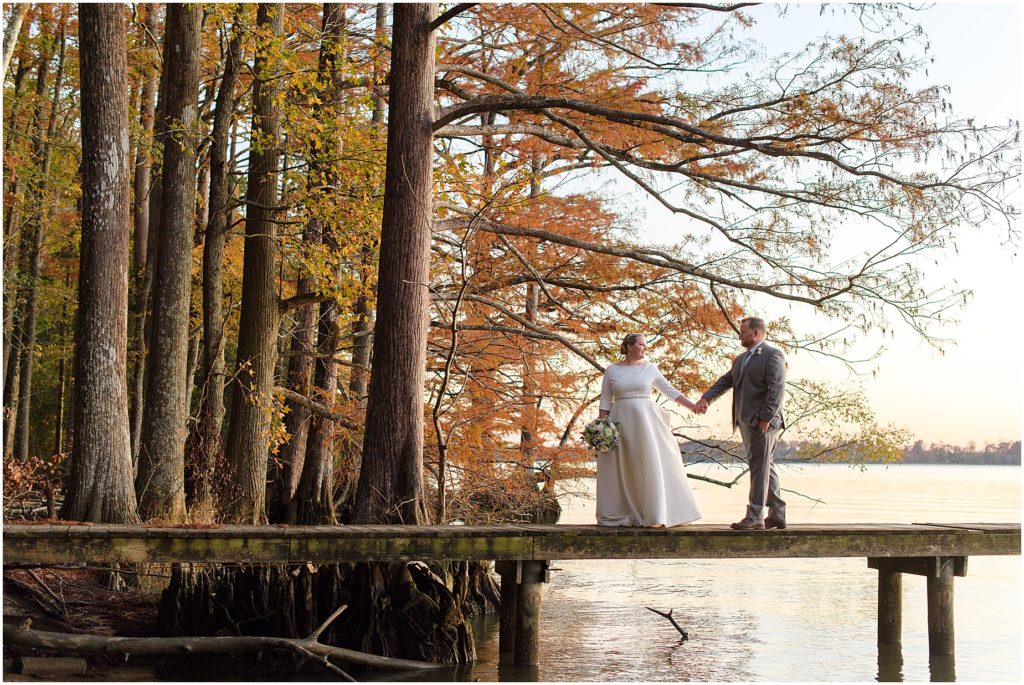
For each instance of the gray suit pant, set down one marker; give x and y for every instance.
(764, 481)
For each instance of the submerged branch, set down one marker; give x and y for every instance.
(669, 617)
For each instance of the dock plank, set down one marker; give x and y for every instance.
(58, 544)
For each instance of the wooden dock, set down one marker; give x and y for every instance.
(522, 553)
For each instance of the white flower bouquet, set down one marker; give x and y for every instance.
(601, 434)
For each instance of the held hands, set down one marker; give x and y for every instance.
(694, 407)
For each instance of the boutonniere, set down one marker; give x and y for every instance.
(758, 353)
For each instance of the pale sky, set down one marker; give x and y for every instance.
(972, 390)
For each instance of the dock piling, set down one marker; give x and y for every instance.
(939, 572)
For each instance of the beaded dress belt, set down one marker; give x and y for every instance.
(634, 396)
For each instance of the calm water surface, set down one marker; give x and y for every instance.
(781, 619)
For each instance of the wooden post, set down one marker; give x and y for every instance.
(509, 597)
(890, 607)
(527, 640)
(940, 608)
(939, 572)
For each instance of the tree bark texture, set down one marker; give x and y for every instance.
(207, 450)
(245, 491)
(391, 479)
(100, 486)
(160, 480)
(143, 323)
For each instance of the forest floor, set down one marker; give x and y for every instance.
(77, 601)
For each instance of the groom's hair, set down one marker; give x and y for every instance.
(754, 323)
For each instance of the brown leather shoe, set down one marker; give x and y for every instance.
(770, 523)
(747, 524)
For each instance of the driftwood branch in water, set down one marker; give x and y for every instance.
(669, 617)
(148, 646)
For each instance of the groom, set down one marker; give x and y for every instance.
(757, 379)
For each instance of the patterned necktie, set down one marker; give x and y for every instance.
(746, 360)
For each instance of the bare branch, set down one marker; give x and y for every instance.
(315, 407)
(450, 14)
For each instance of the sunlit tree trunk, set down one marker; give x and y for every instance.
(160, 480)
(100, 485)
(391, 480)
(244, 498)
(209, 451)
(11, 32)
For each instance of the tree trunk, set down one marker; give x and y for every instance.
(18, 292)
(391, 479)
(11, 32)
(245, 491)
(310, 483)
(285, 480)
(362, 330)
(144, 279)
(13, 202)
(12, 219)
(62, 332)
(313, 503)
(100, 485)
(208, 454)
(143, 153)
(33, 249)
(161, 467)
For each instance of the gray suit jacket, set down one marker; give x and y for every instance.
(758, 391)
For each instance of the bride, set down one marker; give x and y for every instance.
(641, 482)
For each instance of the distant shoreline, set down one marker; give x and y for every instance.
(999, 454)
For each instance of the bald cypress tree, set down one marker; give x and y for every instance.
(100, 486)
(160, 483)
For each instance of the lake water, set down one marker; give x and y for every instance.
(781, 619)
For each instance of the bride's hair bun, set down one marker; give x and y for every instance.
(630, 339)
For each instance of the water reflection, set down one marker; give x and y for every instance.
(890, 663)
(509, 673)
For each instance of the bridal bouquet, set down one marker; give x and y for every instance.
(601, 434)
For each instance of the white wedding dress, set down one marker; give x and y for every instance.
(642, 481)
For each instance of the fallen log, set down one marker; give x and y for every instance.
(49, 666)
(308, 647)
